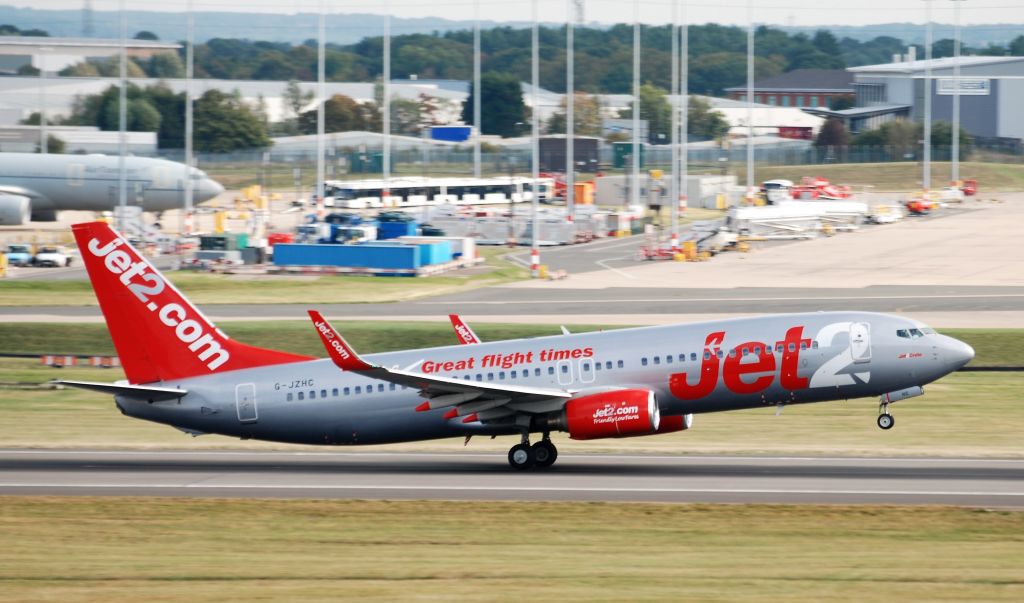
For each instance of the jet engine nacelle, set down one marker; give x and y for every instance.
(15, 210)
(614, 414)
(673, 423)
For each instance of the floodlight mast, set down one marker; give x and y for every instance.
(534, 147)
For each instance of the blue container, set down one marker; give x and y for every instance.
(451, 133)
(439, 252)
(393, 230)
(393, 256)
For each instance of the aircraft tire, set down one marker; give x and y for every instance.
(886, 421)
(521, 457)
(544, 454)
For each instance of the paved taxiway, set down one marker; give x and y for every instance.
(471, 476)
(497, 301)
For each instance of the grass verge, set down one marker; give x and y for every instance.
(228, 289)
(152, 549)
(906, 176)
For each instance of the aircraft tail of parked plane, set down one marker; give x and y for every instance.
(183, 371)
(158, 333)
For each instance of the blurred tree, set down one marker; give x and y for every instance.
(587, 116)
(705, 123)
(833, 133)
(502, 94)
(223, 124)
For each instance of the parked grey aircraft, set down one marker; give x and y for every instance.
(36, 187)
(184, 372)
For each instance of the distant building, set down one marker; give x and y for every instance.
(53, 54)
(77, 139)
(799, 88)
(991, 89)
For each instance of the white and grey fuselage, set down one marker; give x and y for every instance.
(691, 368)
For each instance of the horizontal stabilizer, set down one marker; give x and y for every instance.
(142, 392)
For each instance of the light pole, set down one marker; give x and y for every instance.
(684, 121)
(926, 177)
(955, 134)
(320, 107)
(122, 117)
(476, 89)
(43, 136)
(386, 168)
(673, 188)
(750, 100)
(534, 147)
(635, 190)
(189, 101)
(570, 113)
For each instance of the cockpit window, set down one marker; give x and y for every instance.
(916, 333)
(928, 331)
(911, 333)
(902, 333)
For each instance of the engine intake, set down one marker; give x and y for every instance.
(15, 210)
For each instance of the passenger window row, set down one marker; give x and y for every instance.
(744, 350)
(500, 375)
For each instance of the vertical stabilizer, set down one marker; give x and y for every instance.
(158, 333)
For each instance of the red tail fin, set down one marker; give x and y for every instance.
(158, 334)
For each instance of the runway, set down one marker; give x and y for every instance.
(505, 301)
(475, 476)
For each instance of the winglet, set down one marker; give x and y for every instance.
(462, 331)
(338, 349)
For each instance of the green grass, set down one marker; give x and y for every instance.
(991, 177)
(229, 289)
(78, 549)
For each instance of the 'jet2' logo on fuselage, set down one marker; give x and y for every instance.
(738, 365)
(146, 288)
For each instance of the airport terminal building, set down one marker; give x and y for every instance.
(990, 93)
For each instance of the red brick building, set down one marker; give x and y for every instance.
(799, 88)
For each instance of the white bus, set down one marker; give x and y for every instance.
(420, 192)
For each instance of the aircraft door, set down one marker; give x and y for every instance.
(586, 370)
(860, 342)
(245, 402)
(564, 370)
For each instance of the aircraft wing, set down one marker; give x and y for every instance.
(472, 399)
(18, 190)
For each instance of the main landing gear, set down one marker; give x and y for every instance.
(541, 455)
(885, 420)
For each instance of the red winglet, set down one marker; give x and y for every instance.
(423, 407)
(451, 414)
(340, 351)
(470, 418)
(465, 335)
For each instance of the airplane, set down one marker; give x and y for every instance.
(185, 372)
(36, 186)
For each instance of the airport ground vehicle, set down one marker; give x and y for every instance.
(183, 371)
(420, 192)
(20, 255)
(51, 256)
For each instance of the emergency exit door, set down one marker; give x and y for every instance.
(245, 402)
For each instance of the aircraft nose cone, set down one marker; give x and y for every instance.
(212, 188)
(959, 353)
